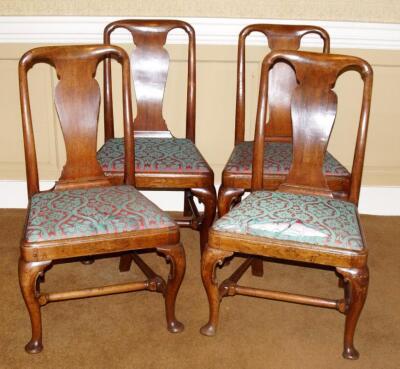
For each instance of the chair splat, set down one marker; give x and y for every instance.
(149, 71)
(149, 66)
(77, 100)
(313, 111)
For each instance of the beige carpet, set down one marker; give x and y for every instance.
(128, 330)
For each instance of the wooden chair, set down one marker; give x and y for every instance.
(302, 221)
(163, 162)
(84, 215)
(236, 176)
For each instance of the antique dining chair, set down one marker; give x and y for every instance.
(84, 215)
(301, 221)
(162, 161)
(236, 176)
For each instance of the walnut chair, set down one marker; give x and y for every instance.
(162, 161)
(236, 176)
(301, 221)
(84, 215)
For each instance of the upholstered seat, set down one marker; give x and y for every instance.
(277, 160)
(154, 154)
(302, 218)
(95, 211)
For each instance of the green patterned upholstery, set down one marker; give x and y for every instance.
(303, 218)
(154, 154)
(277, 160)
(58, 215)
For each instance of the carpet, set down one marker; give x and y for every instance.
(129, 330)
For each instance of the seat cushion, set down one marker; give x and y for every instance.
(308, 219)
(277, 160)
(154, 154)
(58, 215)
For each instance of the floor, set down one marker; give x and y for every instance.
(129, 330)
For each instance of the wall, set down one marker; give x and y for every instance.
(216, 78)
(356, 10)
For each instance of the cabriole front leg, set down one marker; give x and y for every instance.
(210, 259)
(227, 197)
(28, 273)
(208, 197)
(356, 281)
(175, 255)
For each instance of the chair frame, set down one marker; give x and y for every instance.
(305, 177)
(150, 36)
(76, 67)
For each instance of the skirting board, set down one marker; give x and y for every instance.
(373, 200)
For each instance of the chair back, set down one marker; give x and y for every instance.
(149, 66)
(77, 102)
(313, 110)
(281, 80)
